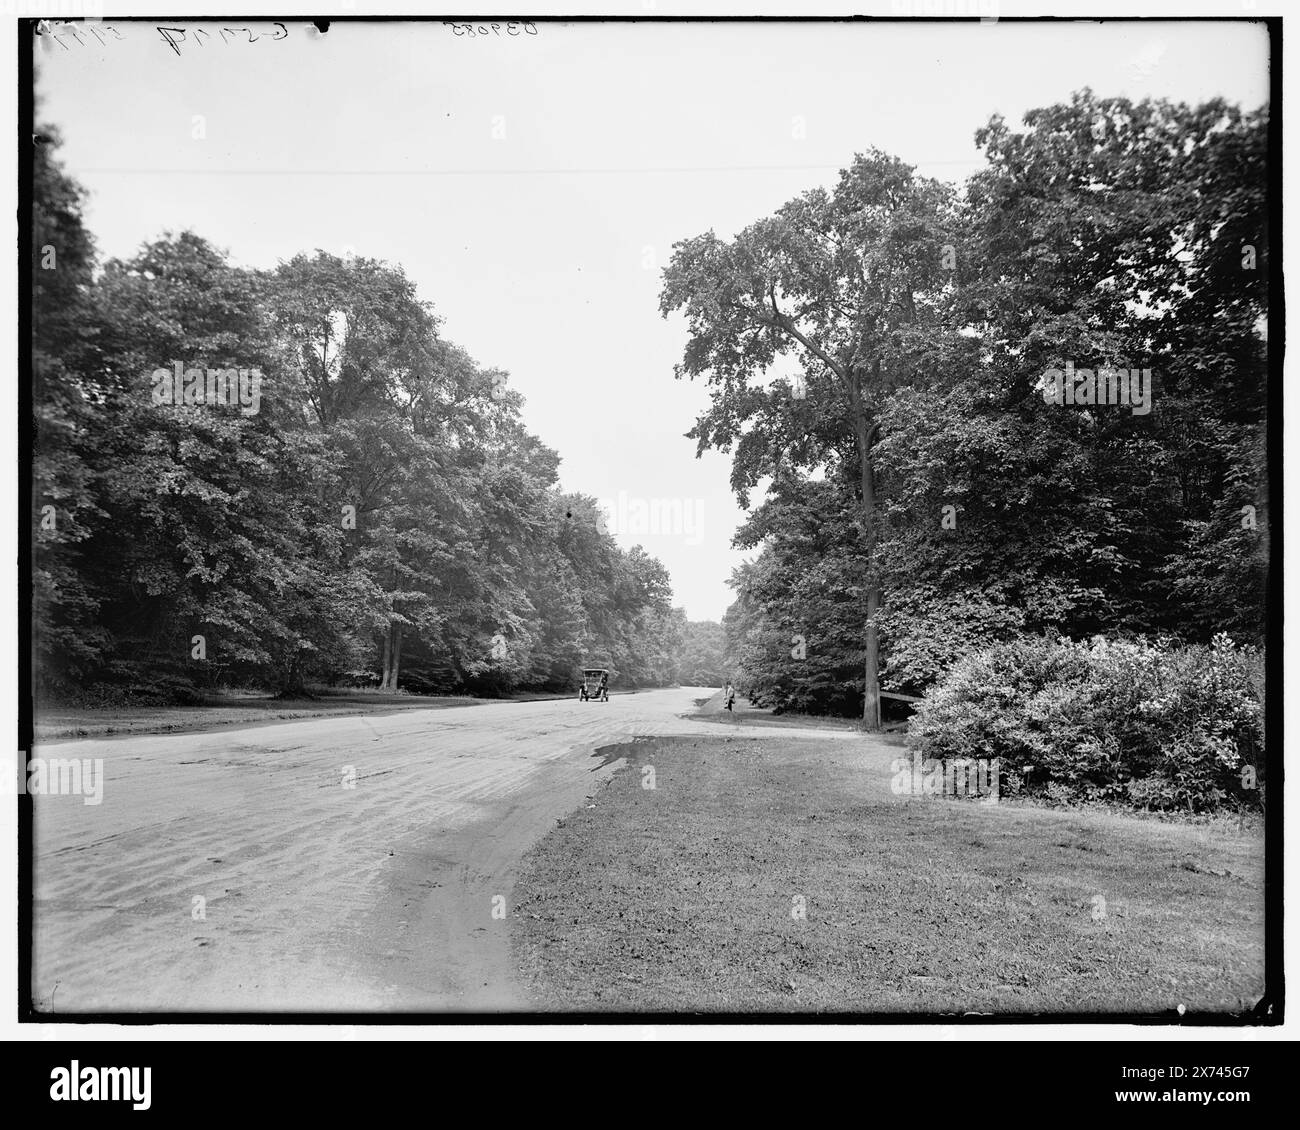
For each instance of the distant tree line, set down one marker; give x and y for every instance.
(365, 507)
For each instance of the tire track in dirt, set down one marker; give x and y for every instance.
(317, 897)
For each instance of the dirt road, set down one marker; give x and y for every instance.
(353, 864)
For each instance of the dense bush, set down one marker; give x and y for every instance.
(1146, 723)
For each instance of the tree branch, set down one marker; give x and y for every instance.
(787, 324)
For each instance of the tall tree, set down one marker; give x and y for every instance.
(64, 498)
(847, 284)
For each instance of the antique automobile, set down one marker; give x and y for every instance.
(595, 684)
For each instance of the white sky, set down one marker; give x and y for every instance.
(619, 140)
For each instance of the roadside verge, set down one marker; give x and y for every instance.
(773, 874)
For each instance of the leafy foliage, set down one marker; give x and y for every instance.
(1103, 233)
(382, 516)
(1146, 723)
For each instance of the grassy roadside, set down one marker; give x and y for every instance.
(70, 723)
(683, 897)
(745, 715)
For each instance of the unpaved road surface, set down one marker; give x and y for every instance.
(338, 864)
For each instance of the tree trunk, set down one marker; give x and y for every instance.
(293, 684)
(388, 656)
(397, 653)
(871, 700)
(862, 426)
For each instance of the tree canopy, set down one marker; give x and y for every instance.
(378, 514)
(876, 355)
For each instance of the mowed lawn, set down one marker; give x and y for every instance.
(686, 897)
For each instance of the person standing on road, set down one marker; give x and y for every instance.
(730, 694)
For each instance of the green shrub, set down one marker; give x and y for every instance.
(1141, 722)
